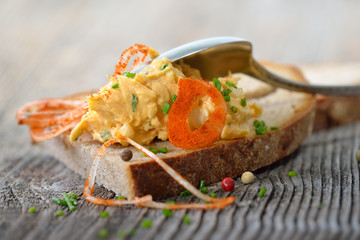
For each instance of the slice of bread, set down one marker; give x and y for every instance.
(292, 112)
(334, 110)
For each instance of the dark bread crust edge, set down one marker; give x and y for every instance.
(226, 159)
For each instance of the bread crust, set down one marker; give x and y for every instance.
(226, 158)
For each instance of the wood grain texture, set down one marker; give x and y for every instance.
(57, 48)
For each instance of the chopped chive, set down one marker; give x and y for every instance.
(227, 98)
(217, 84)
(204, 190)
(226, 92)
(292, 173)
(157, 150)
(262, 192)
(60, 213)
(166, 108)
(116, 85)
(73, 196)
(167, 212)
(170, 202)
(129, 74)
(146, 223)
(243, 102)
(186, 219)
(212, 194)
(32, 209)
(202, 184)
(59, 201)
(234, 109)
(69, 203)
(260, 127)
(173, 98)
(164, 66)
(134, 101)
(274, 128)
(104, 214)
(119, 197)
(154, 150)
(105, 135)
(162, 150)
(74, 201)
(185, 193)
(103, 233)
(230, 84)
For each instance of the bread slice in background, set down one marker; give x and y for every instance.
(292, 112)
(334, 110)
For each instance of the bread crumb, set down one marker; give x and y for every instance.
(247, 177)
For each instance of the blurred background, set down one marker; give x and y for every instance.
(68, 46)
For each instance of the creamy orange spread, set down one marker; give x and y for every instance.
(133, 106)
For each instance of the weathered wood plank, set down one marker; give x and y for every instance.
(58, 48)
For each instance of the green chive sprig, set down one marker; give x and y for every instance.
(186, 219)
(60, 213)
(262, 192)
(158, 150)
(217, 84)
(243, 102)
(292, 173)
(227, 98)
(116, 85)
(164, 66)
(234, 109)
(260, 127)
(69, 203)
(32, 209)
(103, 233)
(230, 84)
(167, 212)
(274, 128)
(146, 223)
(134, 102)
(185, 193)
(202, 187)
(212, 194)
(226, 92)
(104, 214)
(166, 108)
(173, 98)
(129, 74)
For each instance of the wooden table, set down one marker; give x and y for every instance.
(56, 48)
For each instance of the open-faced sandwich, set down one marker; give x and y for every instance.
(170, 129)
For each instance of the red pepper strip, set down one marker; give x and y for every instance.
(146, 201)
(127, 54)
(177, 128)
(41, 121)
(43, 134)
(51, 103)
